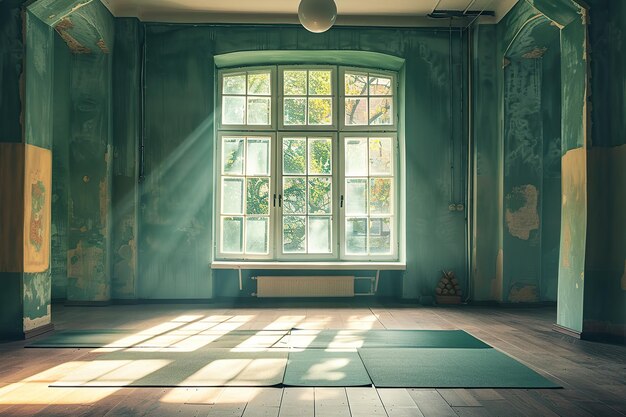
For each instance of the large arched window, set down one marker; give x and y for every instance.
(308, 164)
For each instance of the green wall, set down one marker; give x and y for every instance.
(176, 210)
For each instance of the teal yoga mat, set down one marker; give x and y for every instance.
(167, 368)
(448, 368)
(175, 338)
(318, 368)
(345, 339)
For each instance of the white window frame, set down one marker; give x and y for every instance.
(338, 131)
(335, 196)
(394, 230)
(342, 100)
(243, 127)
(280, 98)
(218, 194)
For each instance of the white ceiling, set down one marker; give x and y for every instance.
(358, 12)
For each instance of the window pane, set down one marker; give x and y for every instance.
(294, 196)
(258, 196)
(356, 157)
(320, 156)
(294, 234)
(380, 86)
(380, 235)
(257, 235)
(258, 162)
(259, 83)
(320, 195)
(356, 111)
(320, 111)
(233, 109)
(232, 196)
(381, 156)
(356, 84)
(380, 111)
(259, 110)
(232, 234)
(232, 156)
(319, 83)
(356, 236)
(234, 84)
(294, 156)
(294, 83)
(380, 195)
(319, 235)
(356, 196)
(295, 111)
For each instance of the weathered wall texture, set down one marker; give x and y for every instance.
(176, 210)
(605, 269)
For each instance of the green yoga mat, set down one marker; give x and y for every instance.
(448, 368)
(200, 368)
(176, 339)
(345, 339)
(318, 368)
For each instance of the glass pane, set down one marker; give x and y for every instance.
(294, 156)
(319, 83)
(380, 111)
(232, 196)
(380, 235)
(233, 109)
(320, 195)
(258, 196)
(294, 234)
(356, 156)
(234, 84)
(319, 235)
(380, 86)
(232, 155)
(356, 236)
(320, 156)
(294, 111)
(232, 234)
(259, 84)
(259, 110)
(356, 84)
(381, 156)
(380, 195)
(257, 234)
(294, 196)
(294, 83)
(356, 111)
(258, 162)
(356, 196)
(320, 111)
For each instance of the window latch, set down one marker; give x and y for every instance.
(341, 201)
(280, 200)
(274, 204)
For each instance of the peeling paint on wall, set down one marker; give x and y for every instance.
(75, 46)
(86, 272)
(521, 293)
(521, 213)
(36, 300)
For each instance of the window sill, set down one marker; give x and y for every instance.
(331, 265)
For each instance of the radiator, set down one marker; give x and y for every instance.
(305, 286)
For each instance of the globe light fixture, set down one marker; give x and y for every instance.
(317, 16)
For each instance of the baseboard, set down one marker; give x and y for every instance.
(39, 330)
(568, 332)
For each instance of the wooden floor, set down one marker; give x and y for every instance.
(593, 374)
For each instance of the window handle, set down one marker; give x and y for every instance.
(274, 204)
(341, 201)
(280, 200)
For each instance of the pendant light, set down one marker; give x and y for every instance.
(317, 16)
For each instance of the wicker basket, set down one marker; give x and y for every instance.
(448, 299)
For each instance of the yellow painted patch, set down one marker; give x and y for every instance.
(522, 220)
